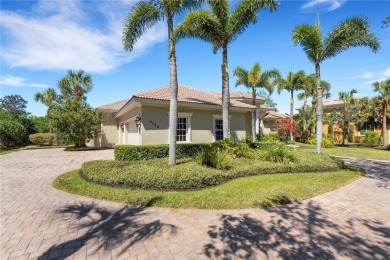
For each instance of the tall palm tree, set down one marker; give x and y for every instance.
(351, 32)
(293, 82)
(255, 79)
(75, 85)
(349, 112)
(143, 16)
(220, 27)
(309, 90)
(48, 98)
(383, 88)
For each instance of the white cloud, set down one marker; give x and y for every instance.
(374, 76)
(328, 5)
(61, 35)
(14, 81)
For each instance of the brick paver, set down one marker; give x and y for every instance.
(38, 221)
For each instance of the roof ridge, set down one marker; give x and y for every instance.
(113, 103)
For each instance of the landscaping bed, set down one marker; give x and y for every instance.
(189, 174)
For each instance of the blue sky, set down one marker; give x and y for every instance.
(41, 40)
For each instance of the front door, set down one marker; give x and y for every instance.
(133, 135)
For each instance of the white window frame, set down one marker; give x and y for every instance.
(188, 133)
(362, 132)
(217, 116)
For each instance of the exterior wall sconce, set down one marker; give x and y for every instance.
(122, 126)
(138, 121)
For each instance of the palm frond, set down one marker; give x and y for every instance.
(254, 75)
(201, 24)
(242, 76)
(177, 6)
(142, 17)
(310, 39)
(220, 9)
(245, 14)
(350, 33)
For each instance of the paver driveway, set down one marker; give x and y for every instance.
(38, 221)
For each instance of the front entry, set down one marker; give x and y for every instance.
(133, 134)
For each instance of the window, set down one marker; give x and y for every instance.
(365, 129)
(181, 134)
(218, 126)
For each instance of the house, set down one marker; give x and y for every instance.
(332, 105)
(144, 118)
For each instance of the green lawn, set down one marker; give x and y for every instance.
(249, 192)
(350, 151)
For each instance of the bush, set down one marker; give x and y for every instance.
(262, 145)
(279, 153)
(215, 158)
(311, 140)
(328, 142)
(241, 150)
(12, 133)
(271, 137)
(358, 139)
(146, 152)
(351, 129)
(41, 138)
(371, 138)
(189, 174)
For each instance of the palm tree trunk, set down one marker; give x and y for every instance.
(304, 114)
(225, 93)
(384, 122)
(319, 111)
(173, 95)
(291, 115)
(254, 115)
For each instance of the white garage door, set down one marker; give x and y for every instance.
(133, 136)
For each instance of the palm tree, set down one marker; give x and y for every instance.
(220, 27)
(47, 97)
(383, 88)
(348, 113)
(309, 90)
(75, 85)
(143, 16)
(255, 79)
(351, 32)
(293, 82)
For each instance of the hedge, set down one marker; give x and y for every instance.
(358, 139)
(371, 138)
(147, 152)
(12, 133)
(41, 138)
(189, 174)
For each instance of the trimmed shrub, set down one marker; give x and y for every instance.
(311, 140)
(41, 138)
(371, 138)
(358, 139)
(12, 133)
(351, 129)
(328, 142)
(271, 137)
(215, 158)
(262, 145)
(279, 153)
(146, 152)
(241, 150)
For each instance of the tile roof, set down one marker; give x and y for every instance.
(114, 106)
(240, 94)
(274, 115)
(334, 102)
(189, 95)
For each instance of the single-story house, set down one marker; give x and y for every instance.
(332, 105)
(144, 118)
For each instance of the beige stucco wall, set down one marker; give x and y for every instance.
(132, 113)
(268, 126)
(155, 125)
(108, 132)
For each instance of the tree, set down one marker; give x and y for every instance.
(74, 120)
(309, 90)
(41, 124)
(386, 22)
(220, 27)
(255, 79)
(383, 88)
(75, 85)
(13, 105)
(269, 102)
(306, 118)
(12, 132)
(347, 115)
(293, 82)
(49, 97)
(143, 16)
(351, 32)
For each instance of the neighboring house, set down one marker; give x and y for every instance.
(270, 119)
(331, 105)
(144, 118)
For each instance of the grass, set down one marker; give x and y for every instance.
(28, 147)
(249, 192)
(350, 151)
(189, 174)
